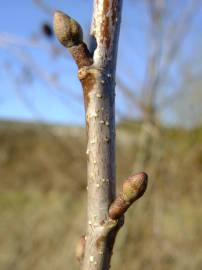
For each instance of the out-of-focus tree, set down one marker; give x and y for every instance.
(164, 25)
(166, 32)
(187, 107)
(148, 97)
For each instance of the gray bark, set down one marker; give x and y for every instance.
(100, 118)
(97, 75)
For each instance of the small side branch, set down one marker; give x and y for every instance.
(70, 35)
(133, 188)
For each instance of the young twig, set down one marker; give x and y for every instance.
(97, 75)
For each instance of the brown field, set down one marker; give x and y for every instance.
(43, 196)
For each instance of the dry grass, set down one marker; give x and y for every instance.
(42, 202)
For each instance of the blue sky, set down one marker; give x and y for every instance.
(37, 100)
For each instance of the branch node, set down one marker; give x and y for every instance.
(86, 70)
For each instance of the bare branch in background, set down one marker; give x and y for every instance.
(45, 7)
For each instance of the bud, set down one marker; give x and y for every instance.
(47, 30)
(67, 30)
(80, 247)
(134, 187)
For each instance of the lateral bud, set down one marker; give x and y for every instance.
(67, 30)
(80, 248)
(133, 188)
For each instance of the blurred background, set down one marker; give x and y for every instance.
(159, 130)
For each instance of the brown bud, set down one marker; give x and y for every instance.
(67, 30)
(47, 30)
(134, 187)
(118, 207)
(80, 248)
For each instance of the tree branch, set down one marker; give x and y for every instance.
(97, 76)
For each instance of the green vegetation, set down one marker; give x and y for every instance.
(42, 200)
